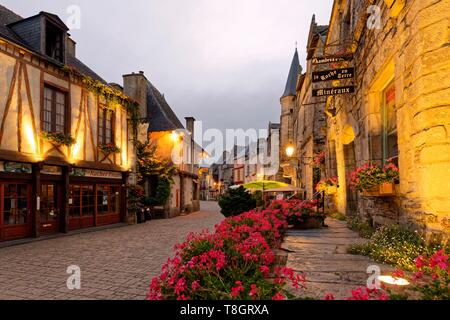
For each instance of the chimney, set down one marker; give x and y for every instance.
(71, 47)
(190, 125)
(135, 85)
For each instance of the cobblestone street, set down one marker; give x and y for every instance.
(115, 263)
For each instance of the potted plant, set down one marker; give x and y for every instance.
(375, 181)
(299, 214)
(328, 185)
(58, 138)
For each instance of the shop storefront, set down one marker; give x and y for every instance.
(94, 198)
(40, 200)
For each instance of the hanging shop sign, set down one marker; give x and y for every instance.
(337, 74)
(333, 91)
(332, 59)
(15, 167)
(78, 172)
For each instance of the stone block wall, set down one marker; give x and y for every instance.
(413, 50)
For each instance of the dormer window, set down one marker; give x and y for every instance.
(54, 42)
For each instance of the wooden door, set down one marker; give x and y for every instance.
(108, 204)
(15, 211)
(81, 206)
(50, 208)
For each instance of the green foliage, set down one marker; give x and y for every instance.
(110, 94)
(364, 228)
(258, 196)
(161, 194)
(109, 148)
(236, 201)
(150, 166)
(394, 245)
(135, 198)
(338, 216)
(58, 138)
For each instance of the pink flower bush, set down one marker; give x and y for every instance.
(297, 211)
(234, 262)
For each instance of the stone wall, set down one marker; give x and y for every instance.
(413, 50)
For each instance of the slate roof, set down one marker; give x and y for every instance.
(291, 82)
(161, 115)
(8, 17)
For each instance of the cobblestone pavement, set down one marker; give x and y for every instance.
(322, 256)
(115, 263)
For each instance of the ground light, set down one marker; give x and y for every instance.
(394, 281)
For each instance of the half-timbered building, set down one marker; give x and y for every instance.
(65, 137)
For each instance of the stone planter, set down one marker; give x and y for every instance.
(310, 223)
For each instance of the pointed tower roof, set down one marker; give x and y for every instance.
(291, 83)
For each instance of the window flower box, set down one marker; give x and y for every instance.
(108, 149)
(386, 189)
(58, 138)
(375, 181)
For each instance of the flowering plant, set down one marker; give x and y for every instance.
(234, 262)
(431, 281)
(297, 211)
(58, 138)
(109, 148)
(326, 185)
(369, 176)
(319, 159)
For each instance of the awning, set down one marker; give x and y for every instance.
(284, 189)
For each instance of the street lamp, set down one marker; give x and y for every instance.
(290, 150)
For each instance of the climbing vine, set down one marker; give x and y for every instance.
(160, 172)
(111, 95)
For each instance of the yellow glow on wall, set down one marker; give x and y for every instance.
(29, 133)
(75, 151)
(124, 159)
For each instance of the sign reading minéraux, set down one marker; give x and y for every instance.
(333, 91)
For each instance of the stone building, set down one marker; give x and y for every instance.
(309, 120)
(400, 109)
(287, 101)
(175, 143)
(66, 142)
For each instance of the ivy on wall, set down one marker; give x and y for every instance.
(111, 95)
